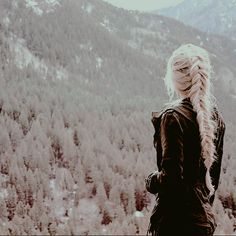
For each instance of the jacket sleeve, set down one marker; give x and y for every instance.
(171, 173)
(216, 167)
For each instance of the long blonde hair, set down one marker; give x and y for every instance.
(188, 75)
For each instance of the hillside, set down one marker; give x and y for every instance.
(79, 80)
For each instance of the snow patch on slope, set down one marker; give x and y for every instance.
(34, 6)
(23, 58)
(52, 2)
(39, 7)
(99, 62)
(88, 7)
(61, 74)
(88, 46)
(106, 24)
(6, 21)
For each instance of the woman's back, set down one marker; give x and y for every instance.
(194, 170)
(183, 197)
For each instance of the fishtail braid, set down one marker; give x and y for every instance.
(199, 96)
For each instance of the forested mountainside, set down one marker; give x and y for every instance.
(212, 16)
(79, 80)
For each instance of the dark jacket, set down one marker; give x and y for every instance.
(182, 202)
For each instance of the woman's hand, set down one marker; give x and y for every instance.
(152, 182)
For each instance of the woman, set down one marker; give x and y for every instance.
(188, 140)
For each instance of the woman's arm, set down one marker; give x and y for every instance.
(216, 167)
(171, 173)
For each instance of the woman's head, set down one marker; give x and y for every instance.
(188, 75)
(188, 65)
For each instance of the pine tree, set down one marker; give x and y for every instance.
(4, 211)
(20, 209)
(11, 201)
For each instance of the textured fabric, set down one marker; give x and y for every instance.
(182, 201)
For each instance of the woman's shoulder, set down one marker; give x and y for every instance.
(165, 115)
(158, 115)
(182, 111)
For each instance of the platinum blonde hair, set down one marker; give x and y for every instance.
(188, 75)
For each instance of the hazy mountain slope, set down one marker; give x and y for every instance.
(158, 36)
(210, 16)
(78, 83)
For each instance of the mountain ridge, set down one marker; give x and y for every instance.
(210, 16)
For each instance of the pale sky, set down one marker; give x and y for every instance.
(144, 5)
